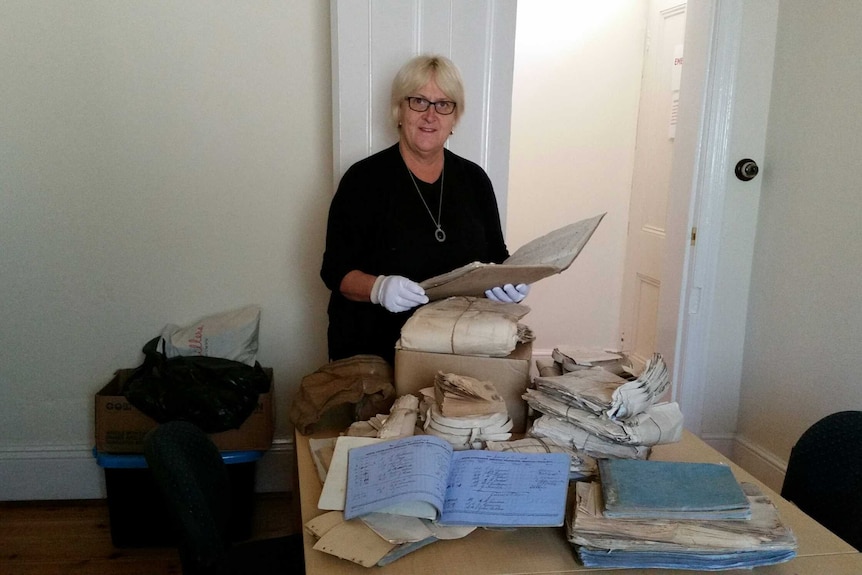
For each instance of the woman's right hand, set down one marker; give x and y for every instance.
(397, 293)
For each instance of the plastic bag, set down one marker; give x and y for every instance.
(229, 335)
(214, 393)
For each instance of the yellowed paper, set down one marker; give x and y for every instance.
(542, 257)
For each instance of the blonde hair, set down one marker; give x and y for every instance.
(420, 70)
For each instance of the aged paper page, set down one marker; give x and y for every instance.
(547, 255)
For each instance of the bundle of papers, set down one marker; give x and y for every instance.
(659, 424)
(378, 538)
(636, 396)
(594, 409)
(577, 358)
(547, 367)
(583, 441)
(581, 466)
(590, 389)
(461, 395)
(601, 391)
(468, 432)
(466, 326)
(401, 421)
(700, 544)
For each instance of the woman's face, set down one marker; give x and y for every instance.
(425, 133)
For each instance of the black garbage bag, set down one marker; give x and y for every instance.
(214, 393)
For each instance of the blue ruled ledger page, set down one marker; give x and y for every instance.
(422, 476)
(506, 489)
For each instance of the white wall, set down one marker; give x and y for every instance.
(574, 118)
(804, 330)
(159, 161)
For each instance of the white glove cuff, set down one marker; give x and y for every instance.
(375, 289)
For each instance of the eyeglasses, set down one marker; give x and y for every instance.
(443, 107)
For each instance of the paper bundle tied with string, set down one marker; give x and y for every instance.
(466, 326)
(605, 415)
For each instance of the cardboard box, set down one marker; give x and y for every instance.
(138, 514)
(510, 375)
(120, 427)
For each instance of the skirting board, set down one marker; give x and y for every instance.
(763, 464)
(759, 462)
(71, 472)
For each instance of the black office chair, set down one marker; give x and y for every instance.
(824, 474)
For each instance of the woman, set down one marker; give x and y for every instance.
(407, 213)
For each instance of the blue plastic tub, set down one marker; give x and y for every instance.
(139, 517)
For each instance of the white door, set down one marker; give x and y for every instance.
(647, 229)
(724, 106)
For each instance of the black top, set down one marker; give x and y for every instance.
(379, 225)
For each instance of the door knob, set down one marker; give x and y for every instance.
(746, 169)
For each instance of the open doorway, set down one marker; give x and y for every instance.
(651, 179)
(591, 123)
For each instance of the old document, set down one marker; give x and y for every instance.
(547, 255)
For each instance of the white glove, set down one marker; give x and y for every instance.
(397, 293)
(508, 293)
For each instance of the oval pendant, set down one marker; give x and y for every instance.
(440, 235)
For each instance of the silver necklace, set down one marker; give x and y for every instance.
(439, 234)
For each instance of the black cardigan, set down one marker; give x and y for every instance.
(378, 224)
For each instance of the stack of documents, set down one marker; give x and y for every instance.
(581, 440)
(675, 516)
(570, 358)
(468, 432)
(464, 411)
(461, 395)
(401, 421)
(603, 414)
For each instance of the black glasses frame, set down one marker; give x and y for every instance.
(418, 104)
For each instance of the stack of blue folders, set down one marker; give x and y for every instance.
(675, 515)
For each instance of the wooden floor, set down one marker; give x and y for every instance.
(71, 537)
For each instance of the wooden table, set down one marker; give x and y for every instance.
(546, 550)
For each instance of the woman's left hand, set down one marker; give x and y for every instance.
(508, 293)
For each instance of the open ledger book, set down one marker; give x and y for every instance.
(544, 256)
(422, 476)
